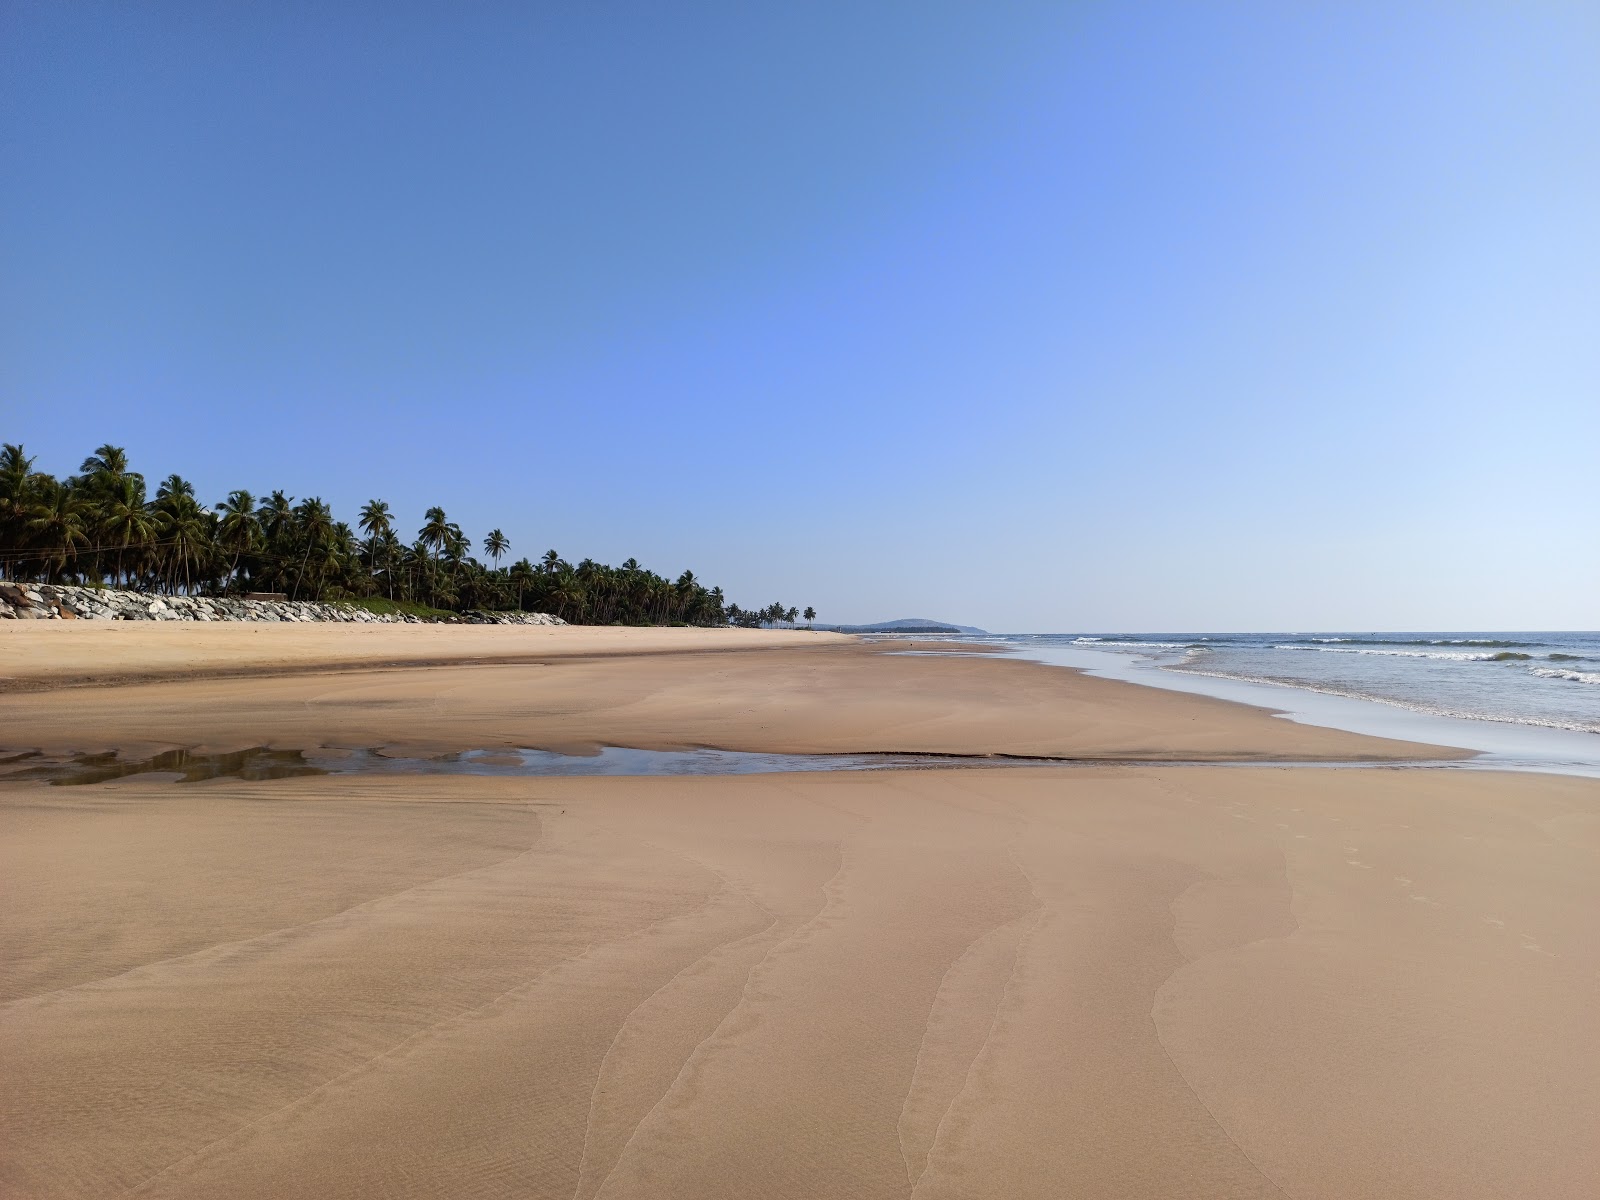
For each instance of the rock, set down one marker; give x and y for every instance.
(44, 602)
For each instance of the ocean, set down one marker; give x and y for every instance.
(1550, 680)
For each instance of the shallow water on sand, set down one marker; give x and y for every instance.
(261, 762)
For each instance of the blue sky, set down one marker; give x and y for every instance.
(1039, 317)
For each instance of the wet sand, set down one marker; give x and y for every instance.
(1135, 980)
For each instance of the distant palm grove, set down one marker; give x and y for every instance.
(102, 527)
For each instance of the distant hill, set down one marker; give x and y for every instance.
(905, 625)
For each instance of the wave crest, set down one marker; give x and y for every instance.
(1564, 673)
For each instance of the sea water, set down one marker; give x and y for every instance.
(1545, 679)
(1526, 700)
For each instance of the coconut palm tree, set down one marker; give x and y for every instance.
(277, 530)
(18, 492)
(107, 460)
(127, 523)
(376, 523)
(495, 546)
(376, 519)
(334, 557)
(174, 488)
(314, 529)
(238, 527)
(104, 470)
(438, 531)
(568, 597)
(183, 531)
(521, 576)
(59, 522)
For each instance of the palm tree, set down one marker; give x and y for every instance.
(495, 546)
(15, 465)
(277, 527)
(127, 522)
(551, 563)
(107, 460)
(375, 523)
(414, 561)
(184, 530)
(810, 615)
(375, 519)
(238, 528)
(173, 489)
(568, 597)
(18, 491)
(335, 554)
(522, 577)
(60, 522)
(277, 515)
(105, 469)
(437, 531)
(391, 552)
(444, 538)
(314, 527)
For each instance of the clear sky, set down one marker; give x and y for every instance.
(1038, 317)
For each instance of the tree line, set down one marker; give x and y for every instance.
(101, 526)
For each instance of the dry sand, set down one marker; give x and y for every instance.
(55, 653)
(1144, 980)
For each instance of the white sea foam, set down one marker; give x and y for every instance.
(1414, 705)
(1098, 642)
(1570, 676)
(1453, 655)
(1378, 641)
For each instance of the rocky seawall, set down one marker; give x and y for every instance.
(58, 602)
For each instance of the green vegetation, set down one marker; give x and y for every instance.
(100, 527)
(772, 614)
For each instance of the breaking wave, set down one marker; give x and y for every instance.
(1569, 675)
(1369, 648)
(1491, 643)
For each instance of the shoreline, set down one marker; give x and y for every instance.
(1508, 745)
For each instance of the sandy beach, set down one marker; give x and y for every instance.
(1120, 979)
(420, 689)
